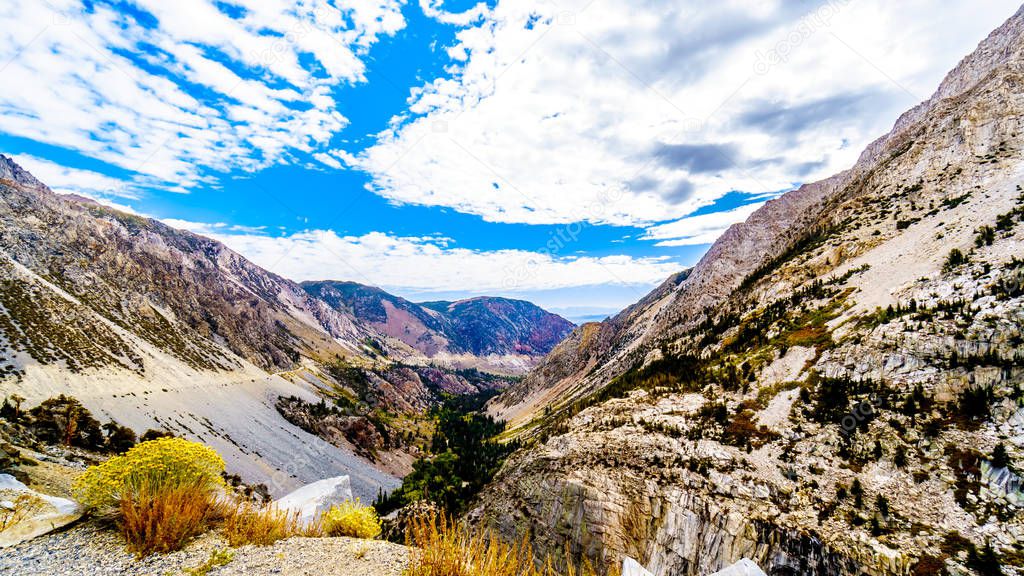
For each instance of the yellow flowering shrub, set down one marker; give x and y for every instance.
(351, 519)
(156, 464)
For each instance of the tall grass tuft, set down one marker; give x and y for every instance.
(262, 526)
(439, 547)
(159, 519)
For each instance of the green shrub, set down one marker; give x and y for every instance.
(63, 420)
(120, 439)
(1000, 459)
(954, 259)
(985, 237)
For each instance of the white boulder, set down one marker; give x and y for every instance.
(631, 567)
(25, 513)
(312, 500)
(744, 567)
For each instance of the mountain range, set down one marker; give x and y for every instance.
(496, 332)
(131, 316)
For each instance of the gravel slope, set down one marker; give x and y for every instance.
(87, 549)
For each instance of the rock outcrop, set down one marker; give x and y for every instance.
(311, 501)
(26, 513)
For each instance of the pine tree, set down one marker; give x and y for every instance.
(900, 457)
(858, 493)
(1000, 459)
(65, 421)
(882, 503)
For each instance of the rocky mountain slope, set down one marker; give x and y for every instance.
(178, 291)
(156, 327)
(159, 328)
(484, 332)
(836, 388)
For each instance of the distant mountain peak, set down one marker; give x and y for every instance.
(464, 331)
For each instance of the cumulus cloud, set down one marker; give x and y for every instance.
(640, 112)
(172, 89)
(428, 263)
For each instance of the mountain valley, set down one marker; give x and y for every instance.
(836, 387)
(133, 317)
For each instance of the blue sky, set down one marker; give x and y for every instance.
(571, 153)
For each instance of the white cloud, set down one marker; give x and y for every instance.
(435, 9)
(641, 112)
(67, 180)
(428, 264)
(328, 160)
(702, 229)
(265, 73)
(209, 229)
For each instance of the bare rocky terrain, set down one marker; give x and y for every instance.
(102, 551)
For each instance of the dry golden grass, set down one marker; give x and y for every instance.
(439, 547)
(164, 518)
(262, 526)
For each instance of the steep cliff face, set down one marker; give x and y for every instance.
(971, 114)
(823, 393)
(485, 332)
(489, 325)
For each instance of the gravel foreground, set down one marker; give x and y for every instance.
(89, 550)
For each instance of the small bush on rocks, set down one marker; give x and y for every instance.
(160, 463)
(439, 547)
(216, 559)
(163, 518)
(351, 519)
(161, 493)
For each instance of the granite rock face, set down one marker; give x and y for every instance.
(313, 500)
